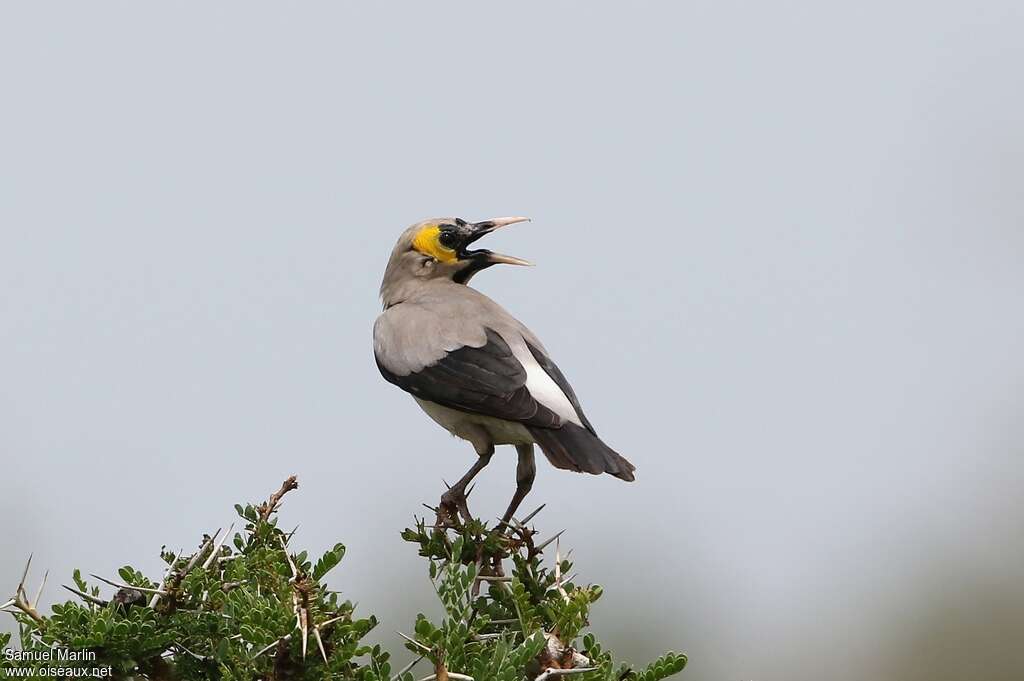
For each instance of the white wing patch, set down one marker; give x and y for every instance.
(542, 388)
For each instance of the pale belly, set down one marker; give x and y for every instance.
(469, 426)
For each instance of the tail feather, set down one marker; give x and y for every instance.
(577, 449)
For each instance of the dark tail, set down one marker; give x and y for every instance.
(577, 449)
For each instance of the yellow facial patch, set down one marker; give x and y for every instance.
(426, 242)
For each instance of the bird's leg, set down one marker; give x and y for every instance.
(526, 471)
(454, 500)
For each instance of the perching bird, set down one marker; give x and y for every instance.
(474, 368)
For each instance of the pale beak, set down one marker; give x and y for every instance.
(479, 229)
(507, 260)
(497, 223)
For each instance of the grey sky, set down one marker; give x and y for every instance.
(779, 256)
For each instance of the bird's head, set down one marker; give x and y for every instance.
(439, 249)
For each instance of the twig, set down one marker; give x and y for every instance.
(21, 602)
(272, 504)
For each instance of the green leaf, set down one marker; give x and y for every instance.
(328, 561)
(79, 582)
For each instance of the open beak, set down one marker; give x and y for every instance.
(480, 229)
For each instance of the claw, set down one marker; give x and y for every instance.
(453, 504)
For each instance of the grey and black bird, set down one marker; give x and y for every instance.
(474, 368)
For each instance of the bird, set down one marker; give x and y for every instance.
(476, 370)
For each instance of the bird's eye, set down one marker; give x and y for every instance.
(447, 239)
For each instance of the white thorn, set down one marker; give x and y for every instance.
(552, 673)
(35, 601)
(407, 668)
(283, 639)
(305, 633)
(24, 575)
(330, 621)
(291, 563)
(544, 544)
(92, 600)
(200, 552)
(216, 548)
(558, 569)
(532, 515)
(156, 597)
(145, 589)
(320, 643)
(413, 641)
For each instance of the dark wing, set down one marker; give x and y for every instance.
(488, 380)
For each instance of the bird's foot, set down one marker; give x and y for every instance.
(453, 504)
(447, 517)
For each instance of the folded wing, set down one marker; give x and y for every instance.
(487, 380)
(490, 380)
